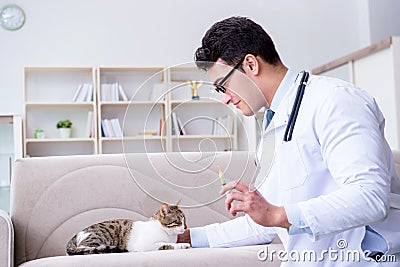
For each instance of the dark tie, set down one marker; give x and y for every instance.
(268, 117)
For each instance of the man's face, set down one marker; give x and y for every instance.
(241, 91)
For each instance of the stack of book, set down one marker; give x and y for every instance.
(84, 93)
(111, 127)
(112, 92)
(177, 126)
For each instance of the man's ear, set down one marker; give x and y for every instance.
(251, 65)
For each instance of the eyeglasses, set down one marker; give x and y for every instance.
(219, 87)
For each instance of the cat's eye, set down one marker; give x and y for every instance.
(173, 224)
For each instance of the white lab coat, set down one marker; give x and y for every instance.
(338, 168)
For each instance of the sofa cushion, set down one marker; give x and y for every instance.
(239, 256)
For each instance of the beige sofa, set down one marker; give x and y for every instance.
(53, 198)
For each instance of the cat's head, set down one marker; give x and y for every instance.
(171, 217)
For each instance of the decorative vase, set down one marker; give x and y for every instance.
(65, 132)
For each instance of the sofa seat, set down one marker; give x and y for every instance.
(239, 256)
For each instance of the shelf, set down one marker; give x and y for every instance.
(196, 102)
(125, 103)
(130, 69)
(59, 104)
(133, 138)
(202, 136)
(52, 140)
(58, 69)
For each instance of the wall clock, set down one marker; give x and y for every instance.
(12, 17)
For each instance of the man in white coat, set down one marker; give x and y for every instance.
(332, 181)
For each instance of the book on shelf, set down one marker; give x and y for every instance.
(111, 127)
(77, 93)
(116, 127)
(106, 92)
(174, 124)
(84, 93)
(180, 126)
(89, 93)
(122, 93)
(90, 125)
(107, 128)
(177, 128)
(161, 130)
(112, 92)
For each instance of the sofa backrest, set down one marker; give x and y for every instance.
(52, 198)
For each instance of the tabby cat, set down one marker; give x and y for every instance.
(123, 235)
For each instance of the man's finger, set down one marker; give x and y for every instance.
(232, 196)
(237, 207)
(238, 185)
(229, 186)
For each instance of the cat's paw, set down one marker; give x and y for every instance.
(184, 245)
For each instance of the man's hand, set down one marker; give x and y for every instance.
(185, 237)
(250, 201)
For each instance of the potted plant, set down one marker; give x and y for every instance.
(64, 128)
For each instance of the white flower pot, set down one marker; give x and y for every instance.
(65, 132)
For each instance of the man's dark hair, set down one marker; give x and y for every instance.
(231, 39)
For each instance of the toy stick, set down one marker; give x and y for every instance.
(221, 176)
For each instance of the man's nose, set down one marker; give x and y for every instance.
(226, 98)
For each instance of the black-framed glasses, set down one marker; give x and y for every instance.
(219, 87)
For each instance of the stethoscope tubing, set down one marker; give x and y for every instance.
(296, 106)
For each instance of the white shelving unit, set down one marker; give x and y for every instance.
(141, 99)
(140, 112)
(48, 98)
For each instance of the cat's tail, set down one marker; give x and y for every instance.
(74, 246)
(71, 248)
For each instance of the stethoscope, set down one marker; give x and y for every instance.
(293, 116)
(296, 106)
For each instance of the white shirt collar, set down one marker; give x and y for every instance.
(283, 88)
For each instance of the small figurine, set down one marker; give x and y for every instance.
(194, 85)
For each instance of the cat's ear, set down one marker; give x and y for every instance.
(164, 210)
(178, 203)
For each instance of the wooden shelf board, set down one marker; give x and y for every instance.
(54, 140)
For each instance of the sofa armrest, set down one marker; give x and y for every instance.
(6, 240)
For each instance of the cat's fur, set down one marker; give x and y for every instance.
(124, 235)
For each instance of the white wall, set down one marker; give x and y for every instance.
(384, 19)
(307, 33)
